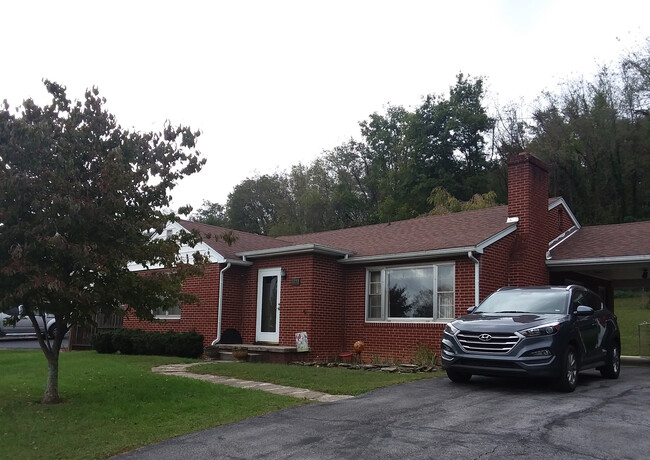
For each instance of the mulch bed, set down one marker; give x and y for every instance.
(397, 368)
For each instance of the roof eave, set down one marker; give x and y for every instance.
(410, 256)
(596, 261)
(240, 262)
(293, 250)
(559, 240)
(496, 237)
(560, 201)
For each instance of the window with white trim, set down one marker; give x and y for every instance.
(410, 293)
(170, 313)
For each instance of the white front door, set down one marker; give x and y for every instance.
(268, 305)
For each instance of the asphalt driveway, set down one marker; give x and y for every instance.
(428, 419)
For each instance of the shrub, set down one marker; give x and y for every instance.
(138, 342)
(103, 342)
(123, 340)
(424, 356)
(187, 345)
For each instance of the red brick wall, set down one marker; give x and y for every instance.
(233, 294)
(328, 304)
(327, 334)
(396, 341)
(200, 317)
(295, 301)
(464, 296)
(495, 262)
(528, 200)
(558, 222)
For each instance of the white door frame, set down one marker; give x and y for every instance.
(271, 334)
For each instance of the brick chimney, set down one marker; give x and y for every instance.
(528, 205)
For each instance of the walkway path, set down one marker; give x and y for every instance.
(181, 370)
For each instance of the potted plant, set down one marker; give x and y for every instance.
(240, 353)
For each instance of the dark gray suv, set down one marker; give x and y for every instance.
(547, 331)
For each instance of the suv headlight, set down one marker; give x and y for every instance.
(546, 329)
(450, 329)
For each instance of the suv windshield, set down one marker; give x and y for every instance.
(547, 301)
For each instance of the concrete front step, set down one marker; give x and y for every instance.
(225, 355)
(277, 354)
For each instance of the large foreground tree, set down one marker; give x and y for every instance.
(81, 198)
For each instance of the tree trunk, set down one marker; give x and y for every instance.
(51, 395)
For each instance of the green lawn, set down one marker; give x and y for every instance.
(631, 311)
(112, 404)
(338, 381)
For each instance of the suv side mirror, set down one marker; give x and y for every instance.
(584, 310)
(471, 309)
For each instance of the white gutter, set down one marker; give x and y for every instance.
(216, 341)
(476, 276)
(292, 250)
(595, 261)
(451, 252)
(559, 240)
(494, 238)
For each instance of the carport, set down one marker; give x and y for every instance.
(603, 258)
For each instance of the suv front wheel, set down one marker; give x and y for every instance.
(568, 378)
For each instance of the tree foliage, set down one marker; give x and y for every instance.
(593, 135)
(211, 213)
(388, 175)
(80, 198)
(444, 202)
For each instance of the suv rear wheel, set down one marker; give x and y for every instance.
(568, 378)
(612, 367)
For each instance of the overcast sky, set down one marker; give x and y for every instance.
(274, 83)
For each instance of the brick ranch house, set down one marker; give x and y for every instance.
(392, 286)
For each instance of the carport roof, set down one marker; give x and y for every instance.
(619, 253)
(606, 241)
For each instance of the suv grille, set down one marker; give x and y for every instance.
(497, 343)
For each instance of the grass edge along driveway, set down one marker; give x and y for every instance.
(114, 403)
(332, 380)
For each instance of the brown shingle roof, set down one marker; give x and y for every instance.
(244, 242)
(429, 233)
(456, 230)
(599, 241)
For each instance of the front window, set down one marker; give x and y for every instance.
(417, 293)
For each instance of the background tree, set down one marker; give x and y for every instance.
(444, 202)
(593, 135)
(211, 213)
(595, 138)
(257, 204)
(80, 198)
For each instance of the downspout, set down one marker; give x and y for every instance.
(476, 276)
(216, 341)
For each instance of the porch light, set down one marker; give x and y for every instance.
(283, 273)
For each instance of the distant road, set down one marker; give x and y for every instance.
(25, 343)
